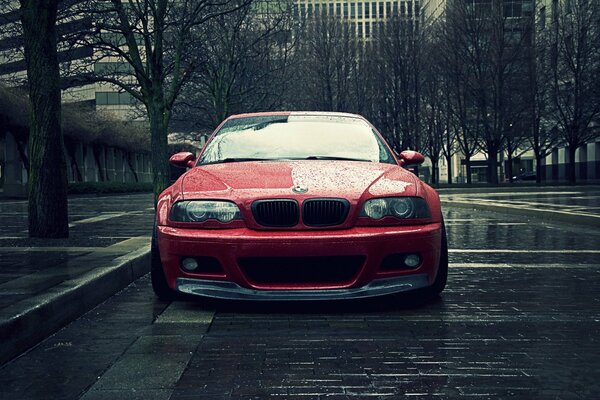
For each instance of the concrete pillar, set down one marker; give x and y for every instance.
(581, 162)
(593, 160)
(119, 176)
(15, 174)
(554, 165)
(563, 156)
(91, 172)
(79, 156)
(110, 163)
(102, 161)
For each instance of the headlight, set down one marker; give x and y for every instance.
(203, 210)
(399, 207)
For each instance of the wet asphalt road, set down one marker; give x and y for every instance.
(520, 318)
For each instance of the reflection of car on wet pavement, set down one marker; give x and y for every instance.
(298, 206)
(525, 176)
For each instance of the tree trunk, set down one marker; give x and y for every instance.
(48, 213)
(449, 164)
(538, 168)
(571, 177)
(468, 166)
(434, 171)
(492, 166)
(509, 166)
(159, 122)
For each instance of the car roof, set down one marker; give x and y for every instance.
(288, 113)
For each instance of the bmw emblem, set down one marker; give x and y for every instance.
(299, 189)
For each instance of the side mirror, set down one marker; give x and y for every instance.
(410, 157)
(183, 160)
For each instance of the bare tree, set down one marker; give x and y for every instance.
(246, 60)
(457, 53)
(147, 42)
(434, 106)
(399, 82)
(485, 51)
(543, 136)
(576, 67)
(48, 214)
(327, 59)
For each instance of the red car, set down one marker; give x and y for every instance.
(298, 206)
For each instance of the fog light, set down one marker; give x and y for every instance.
(189, 264)
(412, 260)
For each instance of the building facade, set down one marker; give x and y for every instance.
(77, 62)
(365, 17)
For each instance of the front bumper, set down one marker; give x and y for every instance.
(232, 291)
(229, 246)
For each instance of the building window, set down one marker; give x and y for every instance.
(112, 68)
(114, 99)
(360, 10)
(353, 10)
(512, 9)
(360, 29)
(367, 9)
(374, 9)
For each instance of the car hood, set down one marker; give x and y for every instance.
(276, 179)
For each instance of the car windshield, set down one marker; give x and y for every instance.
(295, 137)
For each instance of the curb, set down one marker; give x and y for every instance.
(26, 323)
(592, 221)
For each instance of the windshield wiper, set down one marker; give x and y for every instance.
(242, 159)
(334, 158)
(263, 125)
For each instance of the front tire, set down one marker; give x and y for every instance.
(157, 274)
(442, 275)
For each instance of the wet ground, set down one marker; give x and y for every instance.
(520, 318)
(94, 221)
(101, 229)
(582, 200)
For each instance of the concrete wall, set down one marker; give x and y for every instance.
(554, 166)
(112, 160)
(587, 163)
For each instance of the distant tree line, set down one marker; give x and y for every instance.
(482, 78)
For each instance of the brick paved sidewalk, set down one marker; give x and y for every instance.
(45, 283)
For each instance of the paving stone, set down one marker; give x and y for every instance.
(515, 329)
